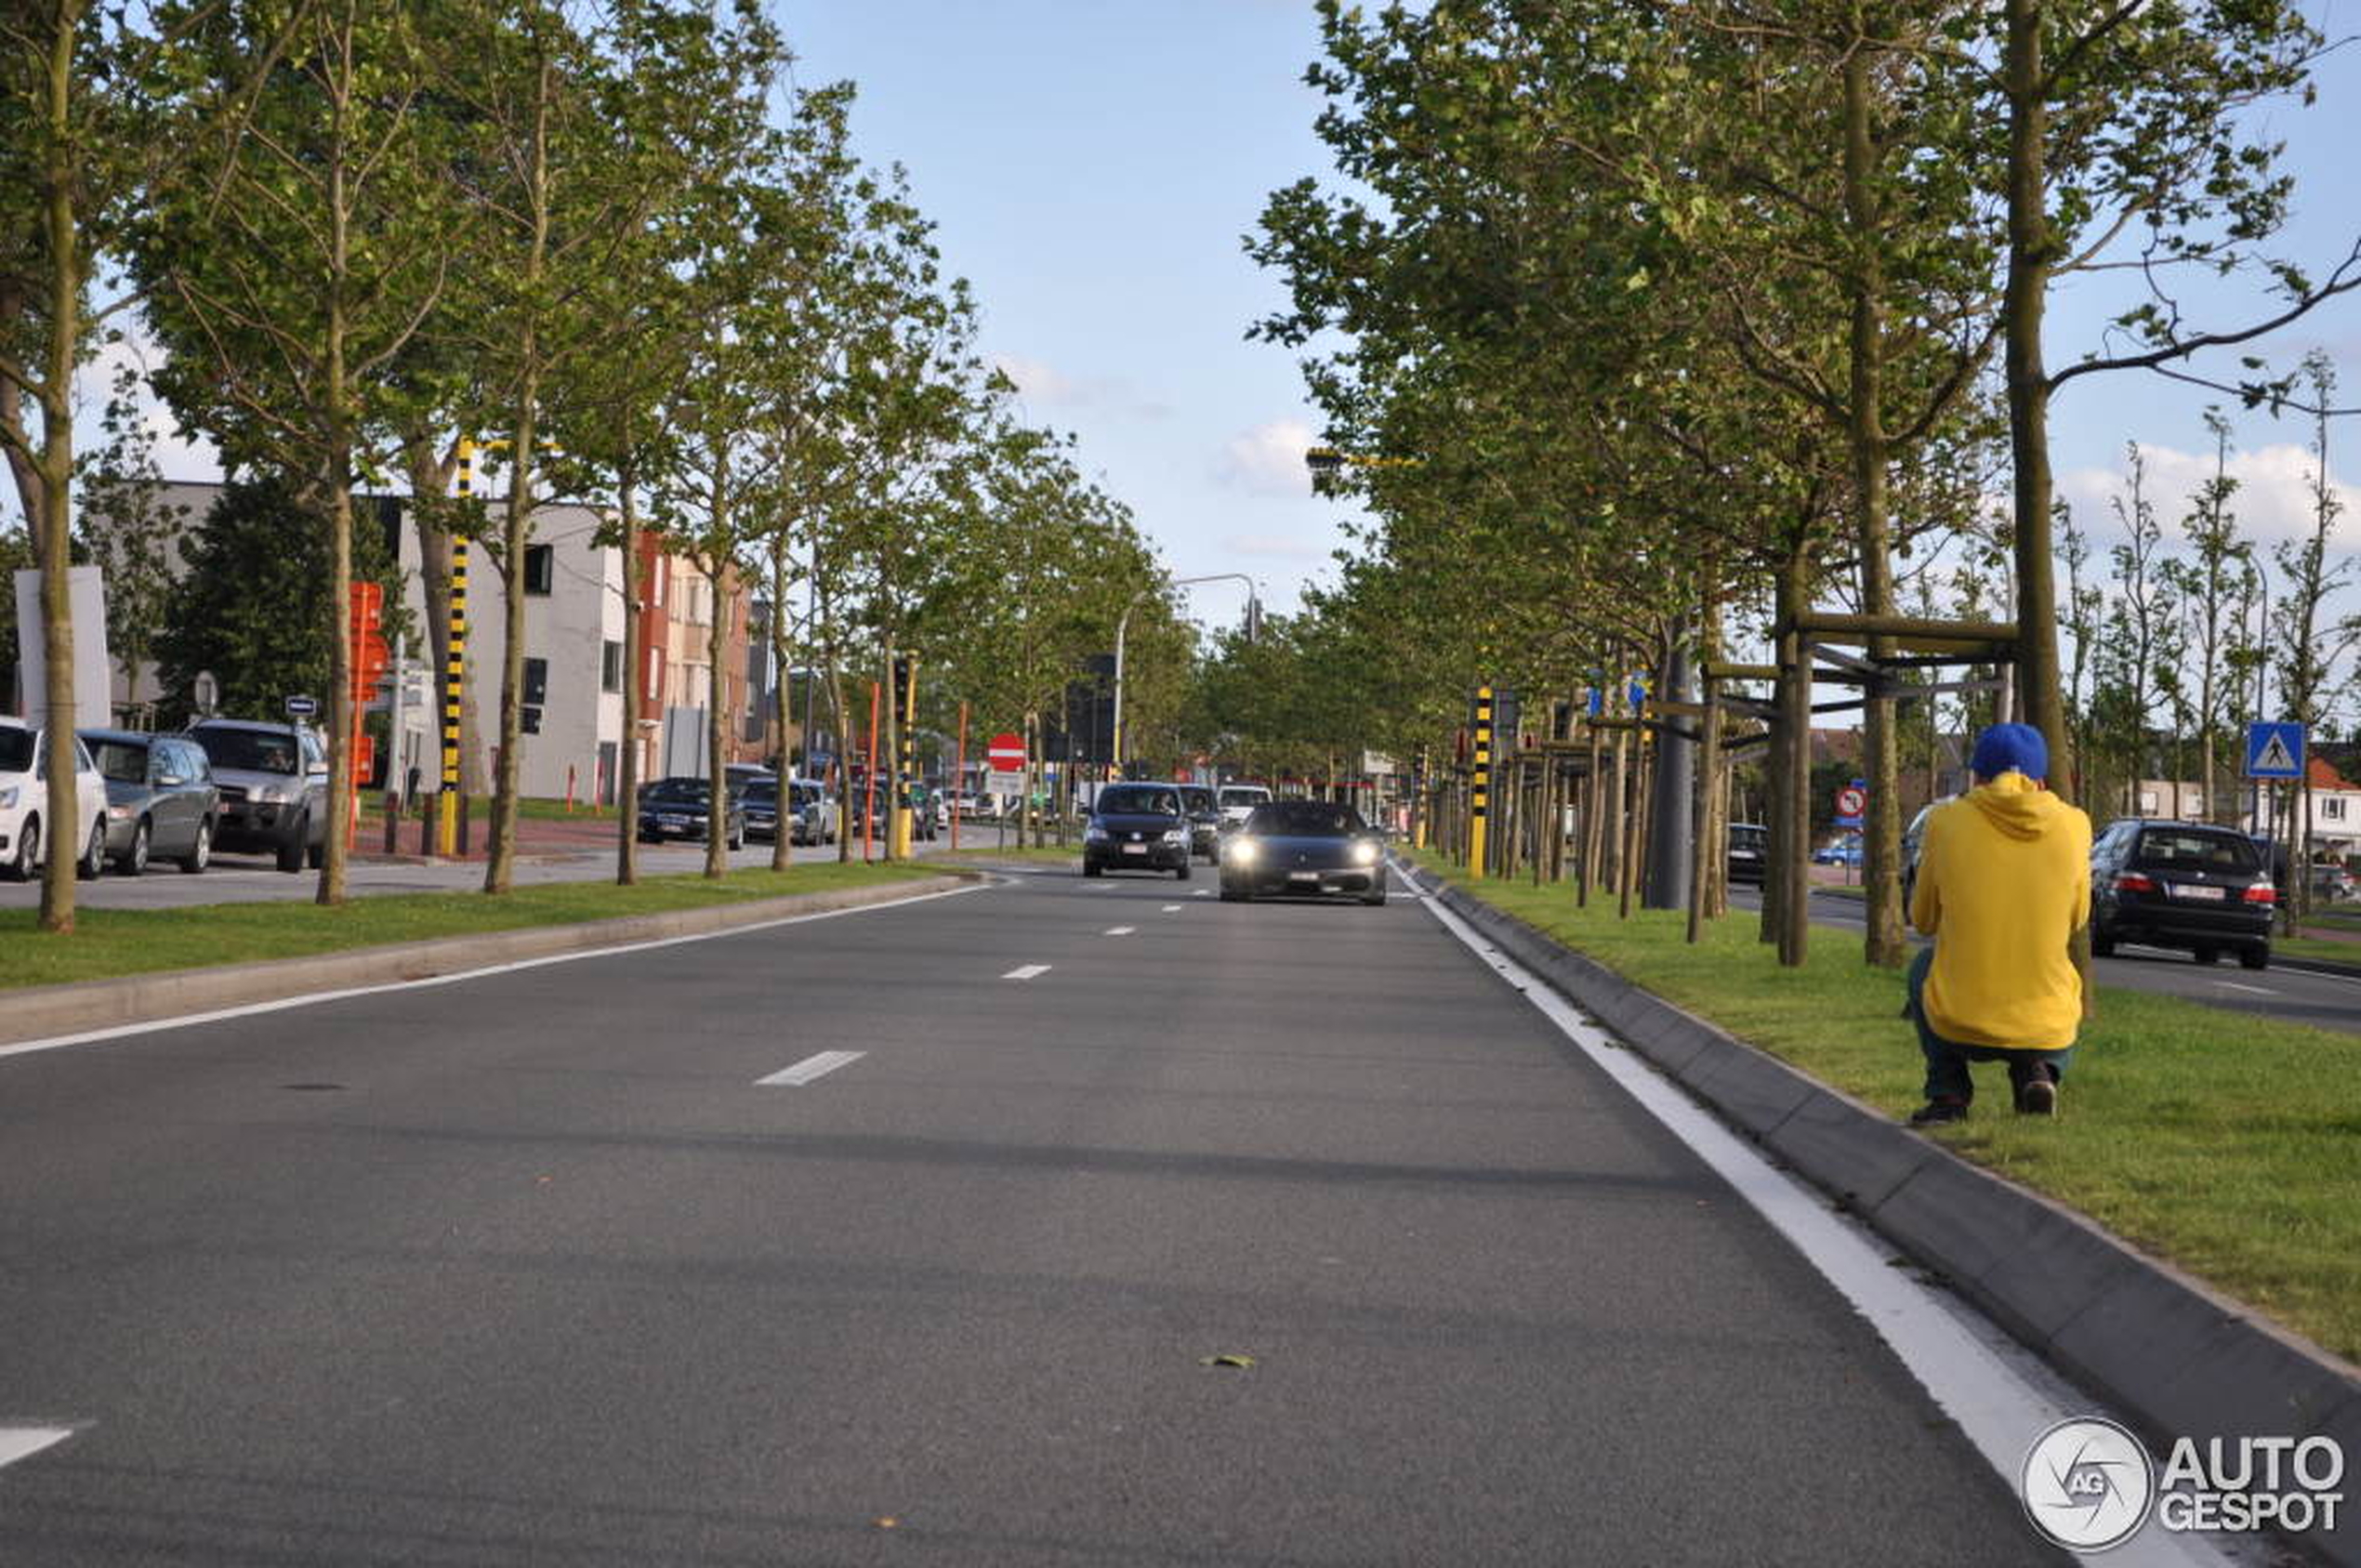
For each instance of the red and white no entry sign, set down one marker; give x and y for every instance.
(1007, 754)
(1851, 801)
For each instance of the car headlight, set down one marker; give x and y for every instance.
(8, 798)
(1365, 853)
(1094, 834)
(119, 814)
(1243, 850)
(274, 795)
(1176, 836)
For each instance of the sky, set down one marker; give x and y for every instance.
(1093, 164)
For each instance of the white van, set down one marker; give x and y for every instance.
(1238, 801)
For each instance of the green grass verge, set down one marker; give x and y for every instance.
(109, 942)
(2229, 1143)
(2317, 947)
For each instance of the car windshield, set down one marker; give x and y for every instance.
(124, 761)
(1161, 802)
(806, 794)
(763, 792)
(1197, 798)
(16, 749)
(678, 792)
(1755, 838)
(2191, 849)
(1245, 796)
(256, 751)
(1305, 819)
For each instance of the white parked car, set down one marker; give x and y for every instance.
(24, 802)
(812, 814)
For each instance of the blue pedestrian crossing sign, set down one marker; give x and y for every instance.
(2274, 751)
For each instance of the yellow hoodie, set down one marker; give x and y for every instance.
(2004, 880)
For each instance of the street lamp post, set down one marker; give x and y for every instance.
(1123, 625)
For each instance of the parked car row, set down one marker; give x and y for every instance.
(222, 783)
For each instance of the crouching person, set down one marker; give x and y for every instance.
(2003, 883)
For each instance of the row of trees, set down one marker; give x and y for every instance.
(611, 245)
(1692, 321)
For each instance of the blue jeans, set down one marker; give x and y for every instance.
(1947, 1059)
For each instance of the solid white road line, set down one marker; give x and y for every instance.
(92, 1037)
(2002, 1396)
(1171, 909)
(1121, 930)
(811, 1067)
(1026, 971)
(22, 1442)
(2250, 990)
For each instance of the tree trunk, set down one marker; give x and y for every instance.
(626, 765)
(52, 525)
(717, 727)
(1884, 943)
(783, 706)
(2032, 256)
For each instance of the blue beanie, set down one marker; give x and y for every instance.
(2011, 748)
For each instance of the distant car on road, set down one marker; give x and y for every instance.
(274, 780)
(161, 799)
(24, 802)
(1204, 812)
(681, 808)
(1842, 851)
(1750, 851)
(1303, 848)
(758, 800)
(815, 814)
(1136, 827)
(1238, 803)
(2178, 884)
(2332, 884)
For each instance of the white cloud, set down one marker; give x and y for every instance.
(179, 456)
(1267, 460)
(2273, 502)
(1043, 384)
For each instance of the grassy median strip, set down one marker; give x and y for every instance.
(110, 942)
(2228, 1143)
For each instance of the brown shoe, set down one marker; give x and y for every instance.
(2037, 1095)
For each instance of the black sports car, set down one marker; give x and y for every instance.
(1303, 848)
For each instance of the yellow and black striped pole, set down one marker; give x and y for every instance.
(905, 821)
(454, 666)
(1479, 787)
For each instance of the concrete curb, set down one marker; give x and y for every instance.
(37, 1012)
(2175, 1356)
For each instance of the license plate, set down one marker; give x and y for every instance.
(672, 821)
(1303, 876)
(2190, 891)
(1135, 849)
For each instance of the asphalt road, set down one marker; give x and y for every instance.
(532, 1269)
(2295, 995)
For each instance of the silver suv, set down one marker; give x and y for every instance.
(274, 788)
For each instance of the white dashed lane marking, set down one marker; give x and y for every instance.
(1121, 930)
(811, 1067)
(22, 1442)
(2250, 990)
(1026, 971)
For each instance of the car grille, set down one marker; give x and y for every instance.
(232, 794)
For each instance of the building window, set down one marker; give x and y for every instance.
(536, 682)
(2331, 808)
(540, 568)
(611, 666)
